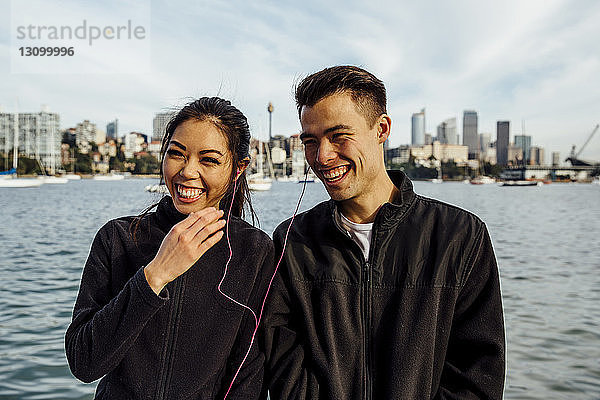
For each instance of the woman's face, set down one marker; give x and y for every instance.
(197, 166)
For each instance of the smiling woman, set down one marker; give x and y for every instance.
(156, 315)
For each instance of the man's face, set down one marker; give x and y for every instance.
(341, 147)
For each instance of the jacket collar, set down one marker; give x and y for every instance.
(389, 214)
(167, 214)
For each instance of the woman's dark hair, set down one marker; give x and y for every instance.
(367, 92)
(234, 125)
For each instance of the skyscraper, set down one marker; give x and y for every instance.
(112, 129)
(524, 142)
(446, 131)
(38, 136)
(502, 141)
(418, 128)
(470, 136)
(485, 140)
(159, 124)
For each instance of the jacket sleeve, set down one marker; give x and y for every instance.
(248, 382)
(286, 376)
(474, 366)
(104, 327)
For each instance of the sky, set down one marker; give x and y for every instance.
(534, 63)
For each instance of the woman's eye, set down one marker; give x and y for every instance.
(174, 153)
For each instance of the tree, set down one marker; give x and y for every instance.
(146, 164)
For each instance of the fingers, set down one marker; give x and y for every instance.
(210, 242)
(204, 219)
(193, 217)
(208, 230)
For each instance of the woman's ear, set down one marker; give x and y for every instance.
(242, 165)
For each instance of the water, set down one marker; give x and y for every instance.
(546, 240)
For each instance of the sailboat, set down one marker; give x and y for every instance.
(258, 181)
(9, 179)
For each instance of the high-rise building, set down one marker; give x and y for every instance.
(112, 129)
(446, 131)
(555, 158)
(536, 155)
(470, 136)
(38, 136)
(159, 124)
(524, 142)
(86, 132)
(485, 140)
(418, 128)
(502, 142)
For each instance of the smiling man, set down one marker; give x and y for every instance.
(382, 293)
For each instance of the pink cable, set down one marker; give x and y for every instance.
(256, 320)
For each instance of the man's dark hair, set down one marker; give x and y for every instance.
(367, 92)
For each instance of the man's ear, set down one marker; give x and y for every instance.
(384, 127)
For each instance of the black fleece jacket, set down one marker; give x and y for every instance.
(421, 319)
(184, 344)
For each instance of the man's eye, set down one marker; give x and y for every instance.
(210, 160)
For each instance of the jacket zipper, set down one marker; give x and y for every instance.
(367, 327)
(365, 304)
(165, 373)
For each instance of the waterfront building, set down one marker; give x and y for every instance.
(159, 124)
(418, 128)
(154, 148)
(86, 133)
(134, 143)
(38, 136)
(502, 142)
(428, 138)
(470, 136)
(446, 132)
(397, 155)
(441, 151)
(555, 158)
(112, 129)
(524, 142)
(485, 141)
(536, 155)
(489, 155)
(515, 155)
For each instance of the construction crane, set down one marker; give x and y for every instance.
(574, 157)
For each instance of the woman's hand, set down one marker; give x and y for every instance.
(185, 243)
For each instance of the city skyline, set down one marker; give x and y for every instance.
(534, 62)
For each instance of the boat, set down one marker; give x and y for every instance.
(157, 189)
(520, 183)
(72, 177)
(109, 177)
(53, 179)
(259, 182)
(14, 182)
(482, 180)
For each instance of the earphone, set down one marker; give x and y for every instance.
(256, 319)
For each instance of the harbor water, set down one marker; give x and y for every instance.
(547, 241)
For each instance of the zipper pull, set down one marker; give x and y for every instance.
(366, 271)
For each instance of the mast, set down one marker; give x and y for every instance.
(16, 142)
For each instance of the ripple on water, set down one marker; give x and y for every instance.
(548, 261)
